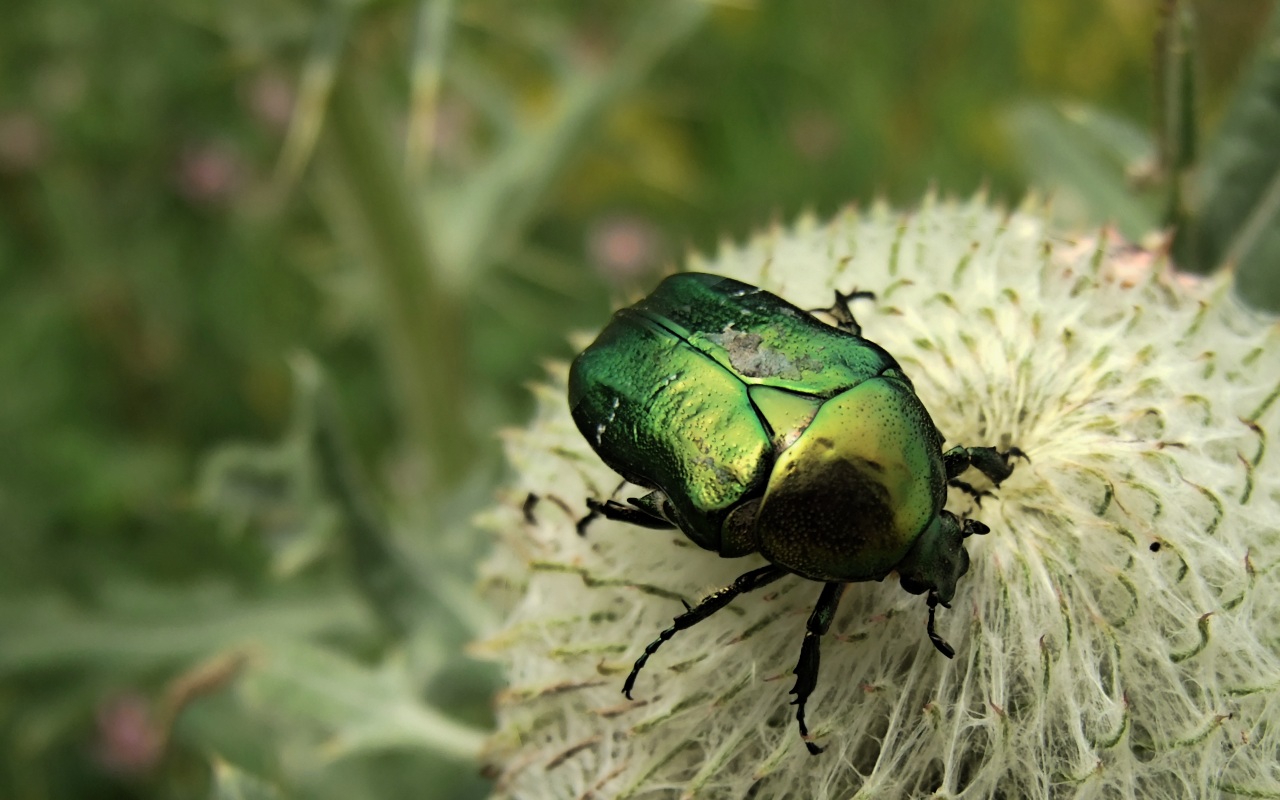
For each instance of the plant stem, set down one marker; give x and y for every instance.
(423, 326)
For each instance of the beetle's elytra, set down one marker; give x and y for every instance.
(759, 428)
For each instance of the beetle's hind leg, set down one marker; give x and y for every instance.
(995, 464)
(710, 605)
(806, 670)
(843, 314)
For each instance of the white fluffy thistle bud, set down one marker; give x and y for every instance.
(1117, 635)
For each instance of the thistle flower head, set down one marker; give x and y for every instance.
(1118, 632)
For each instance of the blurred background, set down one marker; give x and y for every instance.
(273, 275)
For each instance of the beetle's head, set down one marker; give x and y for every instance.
(938, 558)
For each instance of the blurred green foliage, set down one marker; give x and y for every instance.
(426, 198)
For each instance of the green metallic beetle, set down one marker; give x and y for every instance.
(761, 429)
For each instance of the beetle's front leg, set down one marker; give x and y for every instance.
(991, 462)
(710, 605)
(937, 640)
(971, 490)
(806, 670)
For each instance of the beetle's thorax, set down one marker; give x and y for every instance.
(847, 500)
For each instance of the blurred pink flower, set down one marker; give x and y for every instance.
(623, 247)
(455, 133)
(128, 740)
(210, 173)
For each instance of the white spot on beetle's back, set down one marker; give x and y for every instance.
(603, 426)
(751, 358)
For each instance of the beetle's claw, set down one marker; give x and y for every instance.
(804, 729)
(972, 527)
(630, 683)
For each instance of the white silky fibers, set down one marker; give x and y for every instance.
(1118, 633)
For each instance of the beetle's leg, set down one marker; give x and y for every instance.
(532, 500)
(634, 514)
(806, 670)
(644, 514)
(937, 640)
(991, 462)
(653, 511)
(843, 314)
(710, 605)
(969, 489)
(595, 508)
(971, 527)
